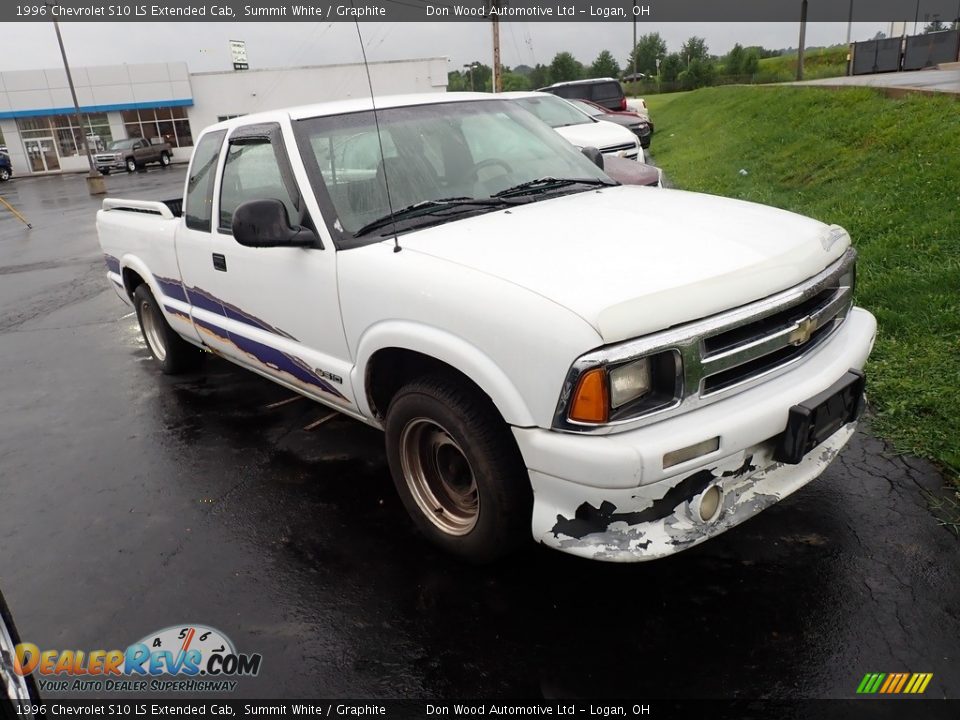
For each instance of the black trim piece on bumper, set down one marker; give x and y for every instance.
(814, 420)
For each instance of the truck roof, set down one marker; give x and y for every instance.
(359, 104)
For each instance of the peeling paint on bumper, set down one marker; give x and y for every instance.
(629, 525)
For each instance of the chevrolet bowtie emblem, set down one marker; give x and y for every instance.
(805, 328)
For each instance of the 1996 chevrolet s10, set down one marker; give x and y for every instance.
(627, 371)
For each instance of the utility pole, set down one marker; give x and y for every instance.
(849, 22)
(803, 37)
(95, 182)
(497, 81)
(633, 50)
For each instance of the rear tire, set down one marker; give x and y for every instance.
(457, 469)
(174, 354)
(164, 159)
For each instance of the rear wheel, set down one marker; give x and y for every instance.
(174, 354)
(164, 159)
(457, 469)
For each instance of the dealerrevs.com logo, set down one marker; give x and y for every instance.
(180, 658)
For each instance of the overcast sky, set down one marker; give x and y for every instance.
(204, 46)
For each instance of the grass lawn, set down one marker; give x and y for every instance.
(889, 172)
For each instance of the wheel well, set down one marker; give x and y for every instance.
(391, 368)
(131, 281)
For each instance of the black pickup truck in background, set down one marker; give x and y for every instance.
(132, 154)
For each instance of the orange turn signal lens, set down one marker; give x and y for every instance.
(591, 402)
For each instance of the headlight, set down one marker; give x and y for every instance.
(629, 382)
(627, 390)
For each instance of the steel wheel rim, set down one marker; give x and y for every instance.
(439, 476)
(151, 331)
(14, 686)
(131, 166)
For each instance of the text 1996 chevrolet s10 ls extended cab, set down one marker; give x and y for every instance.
(625, 371)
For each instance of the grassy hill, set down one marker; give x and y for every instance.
(821, 63)
(888, 171)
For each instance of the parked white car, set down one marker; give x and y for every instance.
(622, 371)
(578, 127)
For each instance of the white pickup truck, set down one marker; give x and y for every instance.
(623, 371)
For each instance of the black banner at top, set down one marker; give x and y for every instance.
(479, 10)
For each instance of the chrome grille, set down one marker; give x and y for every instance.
(731, 351)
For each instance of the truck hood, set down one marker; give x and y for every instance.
(601, 135)
(634, 260)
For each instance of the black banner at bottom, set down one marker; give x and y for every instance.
(872, 708)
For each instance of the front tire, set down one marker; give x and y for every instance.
(457, 469)
(131, 165)
(4, 174)
(174, 354)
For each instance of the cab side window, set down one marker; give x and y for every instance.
(251, 172)
(198, 205)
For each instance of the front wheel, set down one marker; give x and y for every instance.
(105, 171)
(4, 174)
(131, 165)
(457, 469)
(174, 354)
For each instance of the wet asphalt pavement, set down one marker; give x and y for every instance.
(130, 501)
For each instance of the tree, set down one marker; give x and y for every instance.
(539, 76)
(514, 81)
(648, 48)
(935, 26)
(700, 73)
(695, 48)
(565, 67)
(880, 35)
(733, 62)
(605, 66)
(751, 62)
(670, 67)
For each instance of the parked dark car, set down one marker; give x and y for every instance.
(6, 169)
(634, 122)
(604, 91)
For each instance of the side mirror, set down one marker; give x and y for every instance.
(594, 155)
(264, 223)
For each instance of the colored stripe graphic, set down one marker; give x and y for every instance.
(894, 683)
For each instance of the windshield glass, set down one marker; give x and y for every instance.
(432, 152)
(554, 111)
(123, 144)
(587, 108)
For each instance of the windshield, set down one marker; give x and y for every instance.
(589, 109)
(432, 152)
(123, 144)
(554, 111)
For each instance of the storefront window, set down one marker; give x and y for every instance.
(171, 124)
(67, 136)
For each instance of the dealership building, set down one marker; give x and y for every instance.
(39, 127)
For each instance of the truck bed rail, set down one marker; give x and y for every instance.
(168, 209)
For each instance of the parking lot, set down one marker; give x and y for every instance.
(132, 501)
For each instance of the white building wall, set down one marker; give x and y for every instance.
(206, 96)
(248, 91)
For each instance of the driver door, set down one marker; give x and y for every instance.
(281, 307)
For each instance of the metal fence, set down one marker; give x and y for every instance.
(911, 53)
(931, 49)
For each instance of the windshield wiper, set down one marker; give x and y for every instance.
(550, 183)
(429, 207)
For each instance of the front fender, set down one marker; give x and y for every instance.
(445, 347)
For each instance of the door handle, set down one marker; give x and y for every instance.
(219, 262)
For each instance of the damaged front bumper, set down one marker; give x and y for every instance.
(609, 497)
